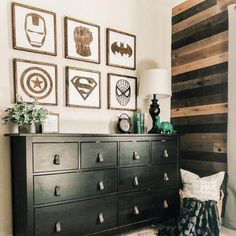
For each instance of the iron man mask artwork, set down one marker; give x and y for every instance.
(35, 29)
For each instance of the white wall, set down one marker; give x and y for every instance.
(149, 20)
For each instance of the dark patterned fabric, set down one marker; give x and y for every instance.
(197, 218)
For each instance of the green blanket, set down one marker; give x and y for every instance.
(197, 218)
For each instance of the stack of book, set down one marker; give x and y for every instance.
(140, 123)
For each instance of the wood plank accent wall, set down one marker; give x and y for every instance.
(199, 83)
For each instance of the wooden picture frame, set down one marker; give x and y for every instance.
(35, 80)
(74, 49)
(83, 88)
(120, 49)
(122, 92)
(34, 29)
(52, 123)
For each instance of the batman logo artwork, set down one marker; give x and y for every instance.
(84, 85)
(121, 48)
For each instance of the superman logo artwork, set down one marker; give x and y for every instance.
(84, 85)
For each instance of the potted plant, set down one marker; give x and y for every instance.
(24, 114)
(20, 114)
(39, 116)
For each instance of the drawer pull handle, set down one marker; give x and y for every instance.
(56, 160)
(100, 218)
(57, 191)
(100, 158)
(163, 140)
(58, 227)
(135, 181)
(166, 178)
(165, 204)
(136, 210)
(136, 156)
(101, 185)
(165, 154)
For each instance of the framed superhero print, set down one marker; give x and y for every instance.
(35, 81)
(122, 92)
(34, 29)
(121, 49)
(82, 40)
(83, 88)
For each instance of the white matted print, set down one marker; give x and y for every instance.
(35, 80)
(82, 40)
(51, 124)
(121, 49)
(82, 88)
(122, 92)
(34, 29)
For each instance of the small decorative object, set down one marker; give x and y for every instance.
(122, 91)
(157, 124)
(33, 29)
(83, 88)
(121, 49)
(82, 40)
(21, 114)
(39, 117)
(167, 128)
(51, 124)
(156, 83)
(124, 123)
(36, 81)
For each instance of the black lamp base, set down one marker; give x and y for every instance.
(154, 111)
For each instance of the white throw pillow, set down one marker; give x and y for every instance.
(205, 188)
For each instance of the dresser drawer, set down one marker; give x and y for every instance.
(135, 207)
(163, 176)
(134, 178)
(98, 154)
(134, 153)
(164, 151)
(79, 218)
(60, 187)
(55, 156)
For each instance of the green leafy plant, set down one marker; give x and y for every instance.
(22, 113)
(39, 115)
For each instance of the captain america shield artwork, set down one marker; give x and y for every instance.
(36, 81)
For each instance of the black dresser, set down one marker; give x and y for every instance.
(79, 184)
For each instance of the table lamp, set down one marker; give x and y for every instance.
(155, 84)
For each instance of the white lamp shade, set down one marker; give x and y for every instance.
(155, 81)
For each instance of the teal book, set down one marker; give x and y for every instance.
(141, 123)
(137, 123)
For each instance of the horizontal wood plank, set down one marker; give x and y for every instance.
(197, 120)
(200, 110)
(217, 59)
(198, 101)
(201, 26)
(204, 137)
(210, 128)
(203, 72)
(201, 91)
(200, 35)
(204, 147)
(200, 82)
(201, 44)
(204, 156)
(203, 166)
(200, 54)
(202, 15)
(185, 5)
